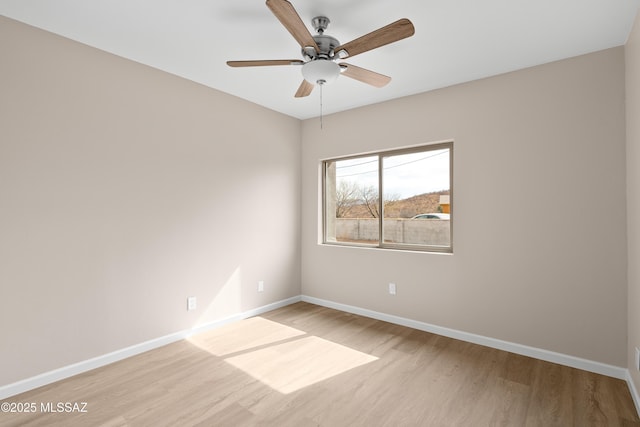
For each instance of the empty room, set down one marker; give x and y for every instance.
(328, 213)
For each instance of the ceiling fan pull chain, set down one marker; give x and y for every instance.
(321, 83)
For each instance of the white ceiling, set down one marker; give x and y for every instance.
(455, 40)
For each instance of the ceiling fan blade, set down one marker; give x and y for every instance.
(391, 33)
(365, 76)
(284, 11)
(263, 63)
(304, 89)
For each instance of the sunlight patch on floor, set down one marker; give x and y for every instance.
(284, 358)
(244, 335)
(296, 364)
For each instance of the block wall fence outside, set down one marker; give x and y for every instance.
(397, 230)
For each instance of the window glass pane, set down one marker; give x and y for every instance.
(416, 191)
(351, 201)
(415, 187)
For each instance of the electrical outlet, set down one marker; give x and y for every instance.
(638, 358)
(261, 286)
(191, 303)
(392, 288)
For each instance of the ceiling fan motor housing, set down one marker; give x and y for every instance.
(326, 44)
(321, 68)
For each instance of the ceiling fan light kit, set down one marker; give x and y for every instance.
(321, 71)
(322, 52)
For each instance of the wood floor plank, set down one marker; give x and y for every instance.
(305, 365)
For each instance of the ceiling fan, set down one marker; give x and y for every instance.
(322, 52)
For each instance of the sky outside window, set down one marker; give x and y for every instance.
(405, 175)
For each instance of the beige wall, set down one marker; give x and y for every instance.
(549, 142)
(632, 56)
(120, 187)
(120, 190)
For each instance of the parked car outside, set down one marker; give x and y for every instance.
(433, 216)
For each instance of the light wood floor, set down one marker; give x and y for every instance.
(305, 365)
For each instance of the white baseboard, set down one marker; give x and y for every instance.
(634, 391)
(96, 362)
(106, 359)
(549, 356)
(244, 315)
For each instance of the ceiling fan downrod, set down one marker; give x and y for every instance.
(320, 23)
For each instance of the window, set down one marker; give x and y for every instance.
(397, 199)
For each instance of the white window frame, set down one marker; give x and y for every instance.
(381, 240)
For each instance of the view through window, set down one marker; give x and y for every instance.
(395, 199)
